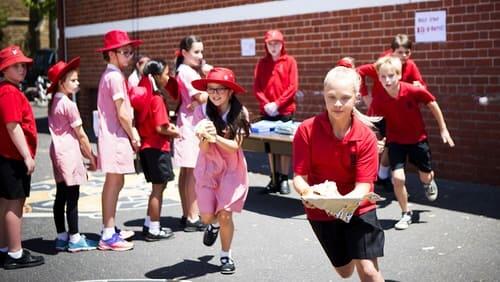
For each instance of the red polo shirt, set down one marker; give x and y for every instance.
(321, 156)
(404, 122)
(14, 107)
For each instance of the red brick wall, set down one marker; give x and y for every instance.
(467, 65)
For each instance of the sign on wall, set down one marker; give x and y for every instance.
(247, 47)
(430, 26)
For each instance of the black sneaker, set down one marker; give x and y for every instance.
(210, 235)
(271, 187)
(26, 260)
(227, 265)
(165, 233)
(145, 230)
(194, 226)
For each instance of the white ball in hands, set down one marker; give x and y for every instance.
(483, 101)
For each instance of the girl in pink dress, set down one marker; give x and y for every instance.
(188, 67)
(117, 137)
(69, 141)
(221, 171)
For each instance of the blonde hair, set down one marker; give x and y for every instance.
(392, 61)
(349, 74)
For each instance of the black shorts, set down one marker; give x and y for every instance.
(14, 182)
(283, 118)
(157, 166)
(418, 154)
(380, 125)
(361, 238)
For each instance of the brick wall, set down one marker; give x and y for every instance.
(465, 66)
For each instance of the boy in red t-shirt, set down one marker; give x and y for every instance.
(406, 135)
(18, 140)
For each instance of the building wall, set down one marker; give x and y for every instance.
(457, 71)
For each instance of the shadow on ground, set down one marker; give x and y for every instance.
(187, 269)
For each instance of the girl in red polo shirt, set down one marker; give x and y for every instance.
(276, 80)
(18, 140)
(155, 131)
(337, 146)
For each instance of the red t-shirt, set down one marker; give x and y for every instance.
(14, 107)
(404, 122)
(321, 156)
(276, 82)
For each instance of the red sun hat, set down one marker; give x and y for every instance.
(117, 38)
(222, 76)
(273, 35)
(57, 71)
(12, 55)
(344, 63)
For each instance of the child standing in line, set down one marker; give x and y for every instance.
(406, 135)
(155, 130)
(276, 81)
(338, 146)
(189, 62)
(221, 171)
(117, 137)
(18, 140)
(69, 142)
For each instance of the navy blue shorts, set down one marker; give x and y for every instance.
(418, 154)
(14, 182)
(157, 166)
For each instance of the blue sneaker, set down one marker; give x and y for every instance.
(61, 245)
(83, 245)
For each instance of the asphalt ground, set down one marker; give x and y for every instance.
(455, 238)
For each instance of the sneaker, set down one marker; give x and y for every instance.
(61, 245)
(115, 243)
(165, 233)
(145, 230)
(404, 222)
(283, 185)
(431, 191)
(227, 265)
(125, 234)
(271, 187)
(210, 235)
(26, 260)
(83, 245)
(194, 226)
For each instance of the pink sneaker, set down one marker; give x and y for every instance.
(115, 243)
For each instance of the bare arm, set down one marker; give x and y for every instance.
(17, 136)
(85, 146)
(360, 190)
(198, 99)
(126, 124)
(169, 130)
(438, 115)
(302, 188)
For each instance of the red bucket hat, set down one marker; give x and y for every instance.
(221, 76)
(273, 34)
(57, 71)
(12, 55)
(117, 38)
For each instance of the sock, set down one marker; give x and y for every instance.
(62, 236)
(108, 232)
(216, 225)
(16, 255)
(154, 227)
(147, 221)
(383, 172)
(4, 250)
(225, 254)
(192, 220)
(75, 238)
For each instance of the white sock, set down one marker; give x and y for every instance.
(75, 238)
(383, 172)
(154, 227)
(107, 233)
(147, 221)
(216, 225)
(192, 220)
(225, 254)
(62, 236)
(4, 250)
(16, 255)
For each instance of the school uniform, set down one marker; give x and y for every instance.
(355, 159)
(186, 148)
(15, 107)
(115, 151)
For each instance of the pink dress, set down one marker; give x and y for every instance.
(221, 178)
(186, 147)
(115, 151)
(67, 160)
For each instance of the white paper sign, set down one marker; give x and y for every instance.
(430, 26)
(248, 47)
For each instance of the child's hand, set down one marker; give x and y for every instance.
(271, 109)
(136, 140)
(174, 131)
(192, 106)
(93, 163)
(30, 165)
(306, 193)
(445, 135)
(417, 83)
(381, 145)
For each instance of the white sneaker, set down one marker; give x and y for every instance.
(431, 191)
(404, 222)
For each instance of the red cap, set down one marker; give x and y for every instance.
(57, 71)
(221, 76)
(273, 34)
(345, 63)
(12, 55)
(117, 38)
